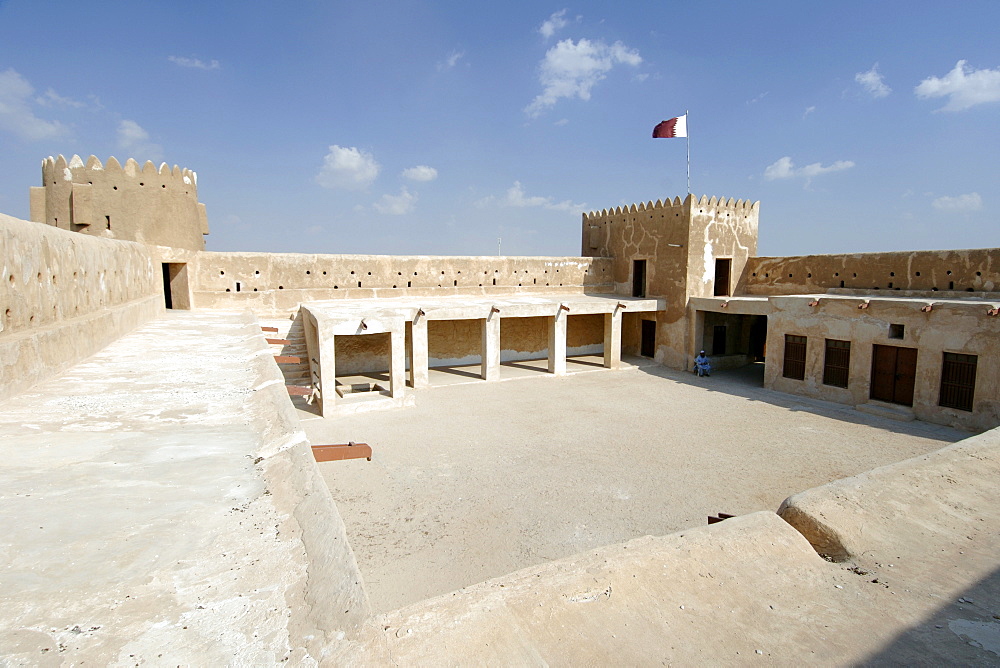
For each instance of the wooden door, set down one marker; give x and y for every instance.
(894, 372)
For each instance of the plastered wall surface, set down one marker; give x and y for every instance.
(950, 326)
(936, 271)
(680, 242)
(64, 296)
(151, 205)
(275, 283)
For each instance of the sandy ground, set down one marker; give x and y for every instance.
(481, 479)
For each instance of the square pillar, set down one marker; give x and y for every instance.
(397, 360)
(557, 342)
(491, 346)
(419, 361)
(613, 339)
(324, 369)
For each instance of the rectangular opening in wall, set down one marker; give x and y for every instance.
(795, 357)
(894, 372)
(175, 286)
(722, 271)
(836, 363)
(896, 331)
(647, 347)
(638, 278)
(719, 340)
(958, 381)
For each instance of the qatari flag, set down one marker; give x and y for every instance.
(675, 127)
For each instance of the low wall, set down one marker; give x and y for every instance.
(276, 283)
(64, 296)
(941, 271)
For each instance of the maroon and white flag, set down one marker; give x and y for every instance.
(675, 127)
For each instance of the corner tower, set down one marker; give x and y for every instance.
(152, 206)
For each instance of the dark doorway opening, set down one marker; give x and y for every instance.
(167, 299)
(894, 371)
(647, 346)
(638, 278)
(719, 340)
(175, 286)
(722, 270)
(757, 341)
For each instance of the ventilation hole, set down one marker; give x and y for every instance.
(408, 284)
(918, 273)
(969, 290)
(951, 284)
(352, 273)
(163, 186)
(281, 287)
(934, 289)
(892, 273)
(257, 273)
(222, 273)
(454, 284)
(836, 273)
(841, 284)
(855, 275)
(255, 289)
(359, 284)
(767, 275)
(112, 187)
(789, 276)
(394, 286)
(890, 285)
(369, 273)
(809, 275)
(949, 272)
(755, 273)
(142, 184)
(308, 272)
(494, 280)
(228, 290)
(979, 273)
(336, 287)
(39, 277)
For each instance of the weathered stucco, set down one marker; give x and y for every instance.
(147, 204)
(933, 271)
(64, 296)
(275, 283)
(946, 326)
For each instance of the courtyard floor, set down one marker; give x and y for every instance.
(478, 480)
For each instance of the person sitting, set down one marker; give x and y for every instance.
(702, 366)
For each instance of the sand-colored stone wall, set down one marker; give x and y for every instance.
(276, 283)
(151, 205)
(950, 326)
(65, 296)
(934, 271)
(680, 242)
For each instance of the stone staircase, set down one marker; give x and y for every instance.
(296, 373)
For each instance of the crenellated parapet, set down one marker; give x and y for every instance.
(144, 203)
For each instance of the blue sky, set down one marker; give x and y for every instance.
(435, 127)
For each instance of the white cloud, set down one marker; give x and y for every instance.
(515, 197)
(758, 98)
(784, 168)
(348, 168)
(553, 24)
(420, 173)
(194, 63)
(963, 86)
(397, 205)
(872, 82)
(450, 61)
(571, 69)
(16, 113)
(134, 141)
(52, 98)
(966, 202)
(809, 110)
(561, 122)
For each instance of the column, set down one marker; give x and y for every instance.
(397, 360)
(613, 339)
(491, 346)
(325, 369)
(557, 342)
(419, 361)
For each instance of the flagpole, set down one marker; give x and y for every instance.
(687, 119)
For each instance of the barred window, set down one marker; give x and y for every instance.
(958, 381)
(795, 357)
(837, 363)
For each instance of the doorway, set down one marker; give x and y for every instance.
(722, 271)
(894, 371)
(647, 347)
(175, 286)
(638, 278)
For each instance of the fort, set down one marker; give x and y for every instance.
(159, 403)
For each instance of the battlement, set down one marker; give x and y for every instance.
(663, 206)
(145, 203)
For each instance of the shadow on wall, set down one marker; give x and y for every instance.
(962, 631)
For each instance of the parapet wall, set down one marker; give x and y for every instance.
(65, 296)
(147, 204)
(935, 271)
(276, 283)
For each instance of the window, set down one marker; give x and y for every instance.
(896, 331)
(722, 271)
(638, 278)
(795, 357)
(836, 363)
(958, 381)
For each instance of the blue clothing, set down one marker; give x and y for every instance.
(702, 366)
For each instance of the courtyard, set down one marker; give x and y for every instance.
(477, 480)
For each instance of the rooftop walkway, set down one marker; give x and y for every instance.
(146, 500)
